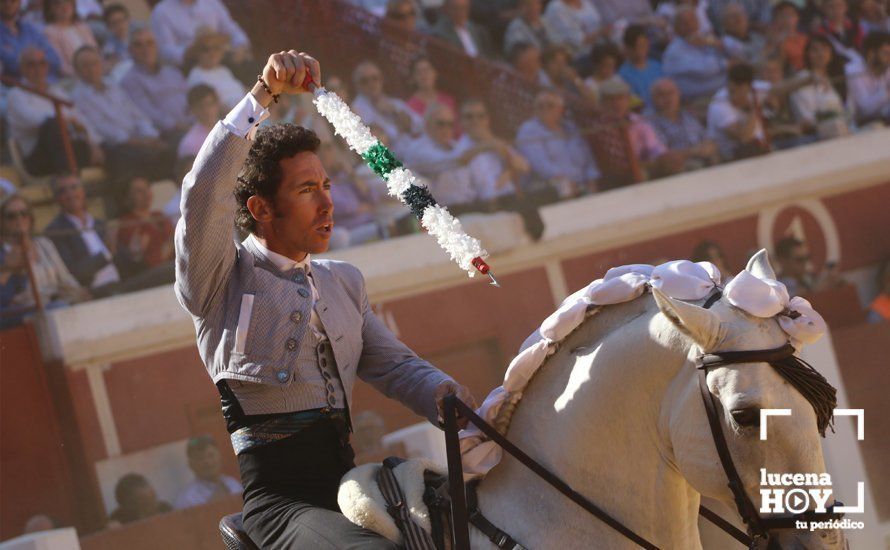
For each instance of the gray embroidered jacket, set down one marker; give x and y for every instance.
(214, 274)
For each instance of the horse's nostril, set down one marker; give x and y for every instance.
(746, 417)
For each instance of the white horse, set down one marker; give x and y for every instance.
(617, 413)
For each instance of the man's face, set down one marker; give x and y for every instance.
(89, 67)
(9, 9)
(70, 195)
(206, 463)
(787, 19)
(369, 81)
(474, 120)
(666, 98)
(206, 110)
(302, 214)
(440, 127)
(144, 49)
(35, 67)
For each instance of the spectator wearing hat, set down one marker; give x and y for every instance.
(639, 70)
(65, 31)
(677, 128)
(177, 23)
(204, 106)
(693, 60)
(136, 499)
(158, 89)
(208, 52)
(16, 35)
(210, 483)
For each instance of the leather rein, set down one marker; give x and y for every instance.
(758, 527)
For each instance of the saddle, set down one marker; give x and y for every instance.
(408, 502)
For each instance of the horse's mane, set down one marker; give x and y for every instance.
(809, 382)
(505, 414)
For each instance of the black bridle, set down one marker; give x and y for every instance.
(758, 527)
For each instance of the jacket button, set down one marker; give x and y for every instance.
(299, 278)
(283, 375)
(303, 292)
(291, 344)
(296, 316)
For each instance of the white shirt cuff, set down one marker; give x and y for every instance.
(246, 117)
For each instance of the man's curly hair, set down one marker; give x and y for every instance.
(261, 173)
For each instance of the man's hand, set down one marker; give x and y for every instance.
(285, 73)
(462, 392)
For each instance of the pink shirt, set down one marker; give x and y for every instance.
(419, 106)
(646, 143)
(68, 39)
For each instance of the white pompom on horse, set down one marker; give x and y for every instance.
(617, 412)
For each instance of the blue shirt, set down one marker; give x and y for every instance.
(12, 44)
(554, 155)
(640, 80)
(698, 71)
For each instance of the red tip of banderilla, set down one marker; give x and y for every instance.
(484, 269)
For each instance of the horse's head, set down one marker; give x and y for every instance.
(740, 391)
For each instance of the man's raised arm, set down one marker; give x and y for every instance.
(205, 249)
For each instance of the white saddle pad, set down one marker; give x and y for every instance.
(362, 502)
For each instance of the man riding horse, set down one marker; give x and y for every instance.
(284, 336)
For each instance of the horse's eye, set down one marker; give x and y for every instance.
(746, 417)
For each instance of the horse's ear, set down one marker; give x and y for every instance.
(700, 324)
(760, 267)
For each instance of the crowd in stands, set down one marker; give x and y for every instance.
(684, 83)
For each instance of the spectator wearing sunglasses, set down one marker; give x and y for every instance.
(796, 270)
(20, 247)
